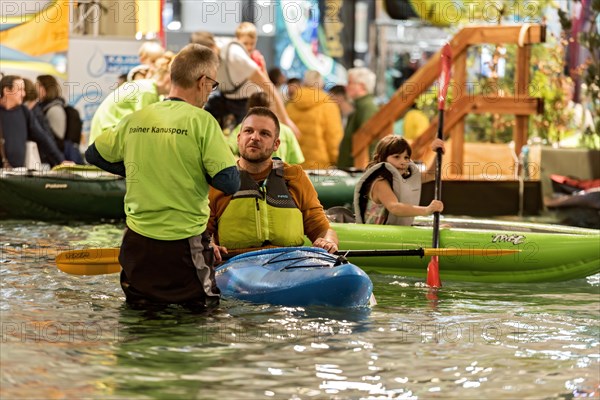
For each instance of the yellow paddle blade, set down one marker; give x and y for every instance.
(89, 261)
(469, 252)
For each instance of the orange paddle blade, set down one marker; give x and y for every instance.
(433, 273)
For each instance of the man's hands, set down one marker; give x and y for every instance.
(327, 244)
(218, 250)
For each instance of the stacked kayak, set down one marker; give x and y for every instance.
(335, 187)
(547, 252)
(294, 276)
(84, 192)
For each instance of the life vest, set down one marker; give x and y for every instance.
(260, 215)
(407, 190)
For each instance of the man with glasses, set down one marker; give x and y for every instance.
(170, 152)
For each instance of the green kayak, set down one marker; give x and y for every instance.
(84, 192)
(547, 252)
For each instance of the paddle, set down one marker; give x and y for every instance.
(103, 261)
(433, 269)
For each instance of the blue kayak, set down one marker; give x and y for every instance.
(294, 276)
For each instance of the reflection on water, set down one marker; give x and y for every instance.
(68, 336)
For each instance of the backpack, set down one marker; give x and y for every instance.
(74, 124)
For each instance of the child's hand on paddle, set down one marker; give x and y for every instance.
(438, 144)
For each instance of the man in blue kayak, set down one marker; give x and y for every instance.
(170, 152)
(276, 204)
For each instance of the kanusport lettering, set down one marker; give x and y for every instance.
(155, 129)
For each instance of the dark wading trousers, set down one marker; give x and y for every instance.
(168, 272)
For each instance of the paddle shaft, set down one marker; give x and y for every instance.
(106, 261)
(444, 82)
(420, 252)
(433, 274)
(437, 194)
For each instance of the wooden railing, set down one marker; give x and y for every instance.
(520, 105)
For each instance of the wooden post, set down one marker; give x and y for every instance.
(458, 132)
(522, 82)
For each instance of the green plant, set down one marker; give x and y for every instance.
(547, 82)
(589, 39)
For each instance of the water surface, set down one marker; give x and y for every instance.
(67, 336)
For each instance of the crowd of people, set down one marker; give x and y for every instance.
(214, 146)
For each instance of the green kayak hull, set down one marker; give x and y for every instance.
(61, 195)
(86, 193)
(547, 252)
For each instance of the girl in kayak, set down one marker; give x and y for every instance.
(390, 190)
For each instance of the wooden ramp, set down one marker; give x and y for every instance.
(519, 104)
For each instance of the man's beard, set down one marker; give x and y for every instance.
(257, 158)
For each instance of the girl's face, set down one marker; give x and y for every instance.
(400, 161)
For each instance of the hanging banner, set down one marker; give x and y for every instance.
(148, 21)
(95, 64)
(35, 27)
(305, 40)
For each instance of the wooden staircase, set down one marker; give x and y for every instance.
(520, 105)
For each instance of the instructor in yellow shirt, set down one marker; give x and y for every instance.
(170, 152)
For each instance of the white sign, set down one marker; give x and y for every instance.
(94, 66)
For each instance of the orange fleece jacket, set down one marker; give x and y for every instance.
(302, 191)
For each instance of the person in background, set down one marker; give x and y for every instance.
(390, 189)
(121, 79)
(53, 106)
(239, 78)
(130, 97)
(18, 125)
(361, 84)
(31, 102)
(65, 121)
(415, 122)
(170, 152)
(148, 53)
(31, 94)
(138, 72)
(278, 78)
(270, 190)
(338, 94)
(289, 150)
(320, 123)
(292, 86)
(246, 35)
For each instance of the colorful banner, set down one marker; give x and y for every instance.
(149, 20)
(35, 27)
(300, 44)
